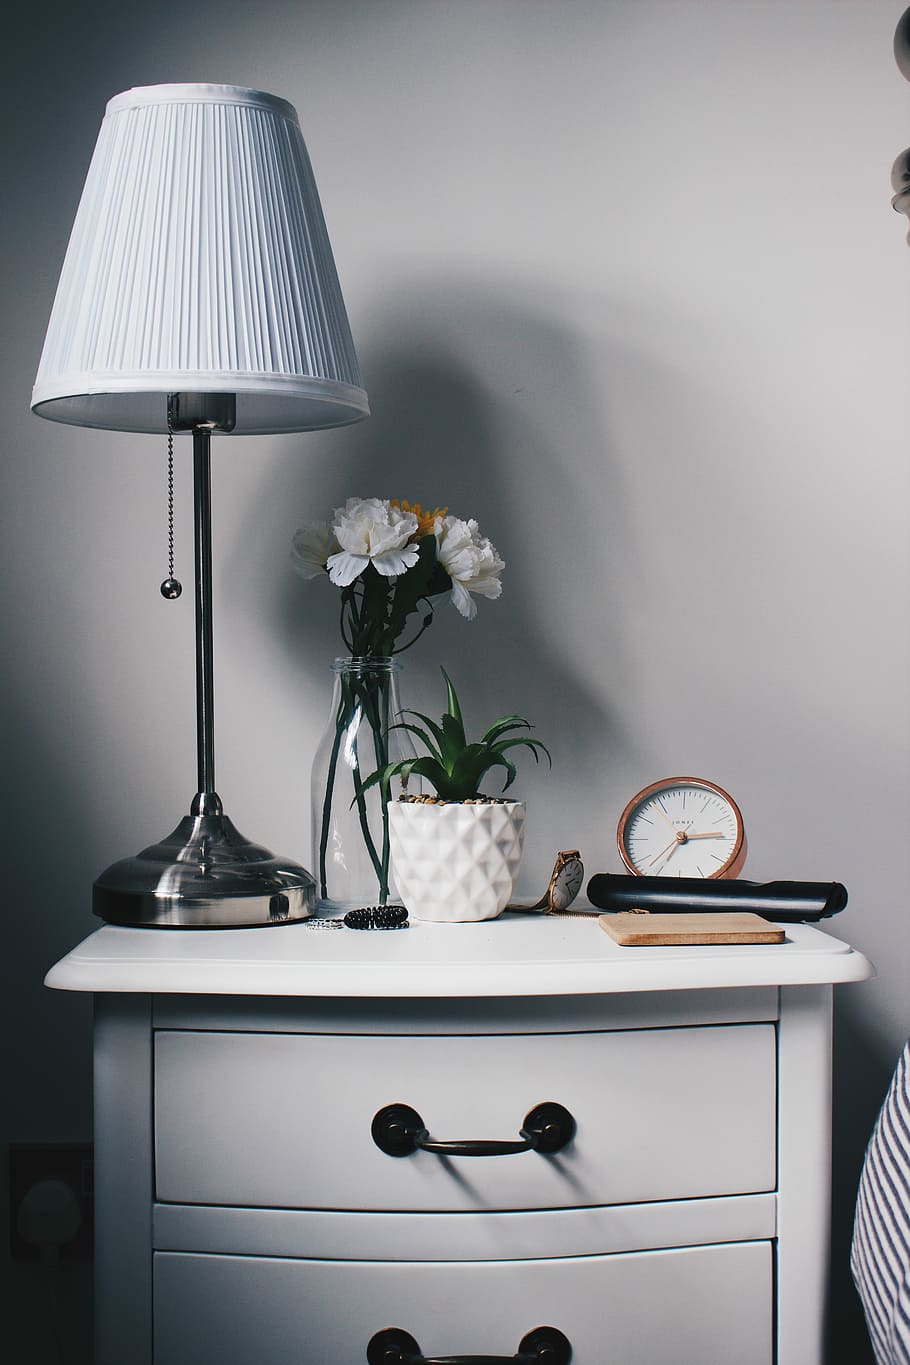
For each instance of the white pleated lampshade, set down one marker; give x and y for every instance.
(199, 262)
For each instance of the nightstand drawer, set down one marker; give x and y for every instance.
(284, 1120)
(699, 1306)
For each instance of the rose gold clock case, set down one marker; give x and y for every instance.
(734, 864)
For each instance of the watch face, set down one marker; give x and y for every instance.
(682, 827)
(566, 881)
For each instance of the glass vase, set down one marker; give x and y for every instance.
(350, 826)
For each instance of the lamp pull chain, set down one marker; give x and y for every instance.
(170, 588)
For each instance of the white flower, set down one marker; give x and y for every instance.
(311, 548)
(371, 531)
(470, 560)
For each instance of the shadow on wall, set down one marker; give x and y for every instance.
(47, 1077)
(471, 397)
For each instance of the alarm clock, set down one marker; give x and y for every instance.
(682, 827)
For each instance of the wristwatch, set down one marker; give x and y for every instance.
(564, 885)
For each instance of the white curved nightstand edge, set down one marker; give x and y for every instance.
(511, 956)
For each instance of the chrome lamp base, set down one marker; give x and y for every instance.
(205, 875)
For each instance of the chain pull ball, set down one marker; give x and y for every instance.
(171, 588)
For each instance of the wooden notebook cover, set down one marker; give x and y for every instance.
(649, 930)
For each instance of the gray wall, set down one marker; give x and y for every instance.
(626, 287)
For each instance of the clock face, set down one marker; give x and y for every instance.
(682, 827)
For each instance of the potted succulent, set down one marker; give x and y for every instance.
(455, 855)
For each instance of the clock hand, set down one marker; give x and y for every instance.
(670, 846)
(663, 814)
(682, 836)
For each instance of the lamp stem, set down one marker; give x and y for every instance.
(203, 413)
(206, 801)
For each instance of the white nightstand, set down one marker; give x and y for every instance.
(246, 1215)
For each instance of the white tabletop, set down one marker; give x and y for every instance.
(515, 955)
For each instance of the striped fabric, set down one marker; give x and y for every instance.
(880, 1258)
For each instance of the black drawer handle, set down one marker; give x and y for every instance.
(398, 1130)
(545, 1346)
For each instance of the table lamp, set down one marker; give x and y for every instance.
(199, 294)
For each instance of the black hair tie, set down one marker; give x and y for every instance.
(377, 917)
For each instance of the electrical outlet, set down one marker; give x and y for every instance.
(34, 1164)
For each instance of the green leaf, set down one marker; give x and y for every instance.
(511, 772)
(446, 788)
(423, 737)
(412, 586)
(453, 740)
(432, 725)
(499, 727)
(469, 768)
(453, 708)
(424, 766)
(383, 775)
(532, 744)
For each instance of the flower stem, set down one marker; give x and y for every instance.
(327, 804)
(377, 712)
(355, 702)
(427, 621)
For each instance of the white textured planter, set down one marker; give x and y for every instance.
(455, 862)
